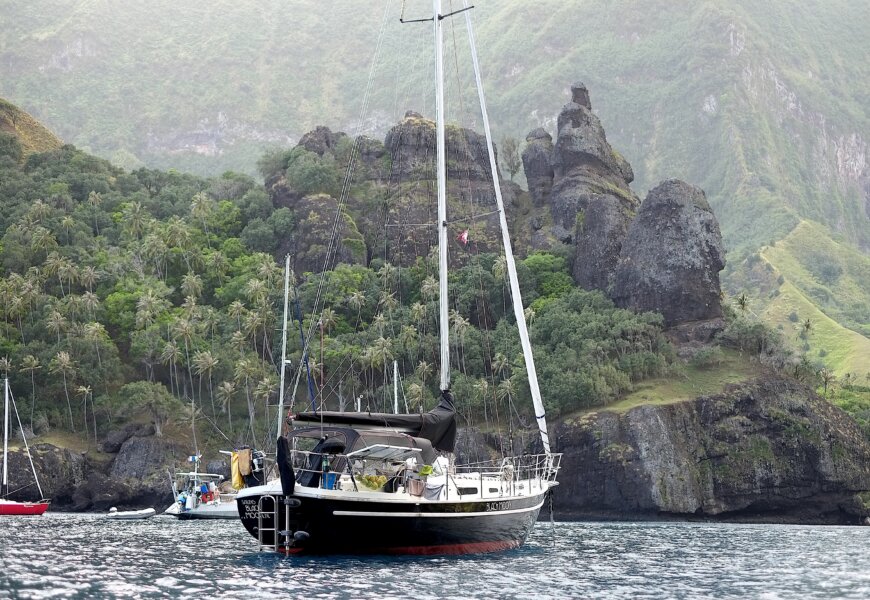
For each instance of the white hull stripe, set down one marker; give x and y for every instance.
(428, 515)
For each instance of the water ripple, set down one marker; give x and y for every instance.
(86, 556)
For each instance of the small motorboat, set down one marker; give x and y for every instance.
(130, 515)
(198, 496)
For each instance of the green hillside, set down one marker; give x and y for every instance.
(764, 105)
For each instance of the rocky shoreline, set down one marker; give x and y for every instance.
(765, 451)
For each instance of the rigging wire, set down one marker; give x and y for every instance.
(348, 178)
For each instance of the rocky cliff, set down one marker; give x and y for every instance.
(767, 450)
(664, 258)
(390, 208)
(671, 257)
(132, 472)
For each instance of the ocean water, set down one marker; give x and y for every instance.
(86, 556)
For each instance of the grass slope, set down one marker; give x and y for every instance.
(830, 274)
(33, 135)
(688, 383)
(841, 350)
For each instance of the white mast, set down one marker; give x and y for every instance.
(441, 167)
(395, 387)
(5, 487)
(509, 255)
(283, 345)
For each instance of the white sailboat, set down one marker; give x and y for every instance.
(327, 499)
(13, 507)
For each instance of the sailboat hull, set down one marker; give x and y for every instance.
(338, 526)
(11, 508)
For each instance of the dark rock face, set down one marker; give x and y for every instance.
(585, 185)
(411, 144)
(401, 172)
(60, 472)
(137, 476)
(671, 258)
(321, 140)
(601, 226)
(538, 166)
(308, 243)
(766, 450)
(115, 439)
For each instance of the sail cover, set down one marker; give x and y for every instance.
(438, 425)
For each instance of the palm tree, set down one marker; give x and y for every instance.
(184, 329)
(56, 322)
(191, 285)
(67, 222)
(499, 268)
(236, 309)
(357, 300)
(84, 392)
(828, 378)
(63, 363)
(481, 389)
(268, 271)
(265, 388)
(91, 302)
(155, 250)
(386, 273)
(327, 319)
(388, 301)
(135, 217)
(499, 363)
(423, 370)
(31, 364)
(415, 395)
(67, 270)
(218, 264)
(460, 326)
(201, 207)
(382, 352)
(244, 371)
(418, 312)
(42, 239)
(238, 340)
(95, 332)
(742, 302)
(429, 288)
(89, 277)
(807, 326)
(148, 308)
(205, 363)
(171, 355)
(225, 392)
(408, 337)
(95, 199)
(379, 322)
(529, 314)
(256, 291)
(506, 389)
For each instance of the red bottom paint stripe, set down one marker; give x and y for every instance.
(444, 549)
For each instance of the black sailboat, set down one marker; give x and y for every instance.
(364, 482)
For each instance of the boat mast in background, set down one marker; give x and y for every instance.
(4, 488)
